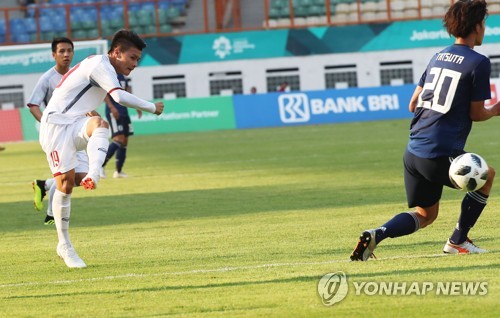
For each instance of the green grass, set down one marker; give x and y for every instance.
(240, 224)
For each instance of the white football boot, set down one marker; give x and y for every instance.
(118, 175)
(69, 255)
(467, 247)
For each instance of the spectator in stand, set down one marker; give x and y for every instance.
(283, 87)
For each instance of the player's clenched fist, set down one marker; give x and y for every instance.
(159, 108)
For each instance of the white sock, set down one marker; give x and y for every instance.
(97, 148)
(61, 207)
(51, 198)
(49, 183)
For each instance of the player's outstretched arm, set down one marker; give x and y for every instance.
(129, 100)
(478, 112)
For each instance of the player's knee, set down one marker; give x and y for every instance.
(122, 139)
(427, 220)
(103, 124)
(426, 216)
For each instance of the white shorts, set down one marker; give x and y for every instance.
(65, 145)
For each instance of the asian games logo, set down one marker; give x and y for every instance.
(222, 47)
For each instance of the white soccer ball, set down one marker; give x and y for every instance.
(469, 172)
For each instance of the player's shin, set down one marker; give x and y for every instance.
(472, 206)
(97, 149)
(61, 207)
(51, 193)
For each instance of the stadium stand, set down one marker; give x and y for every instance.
(89, 19)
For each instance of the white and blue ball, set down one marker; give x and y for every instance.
(469, 172)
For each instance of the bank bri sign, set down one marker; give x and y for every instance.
(321, 107)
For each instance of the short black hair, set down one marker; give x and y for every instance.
(125, 39)
(58, 40)
(463, 16)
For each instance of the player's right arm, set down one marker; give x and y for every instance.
(414, 99)
(105, 76)
(111, 107)
(37, 98)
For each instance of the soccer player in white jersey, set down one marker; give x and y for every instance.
(65, 129)
(62, 52)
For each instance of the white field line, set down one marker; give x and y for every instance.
(205, 271)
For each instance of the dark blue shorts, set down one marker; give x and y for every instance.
(120, 126)
(425, 179)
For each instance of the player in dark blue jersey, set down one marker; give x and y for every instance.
(121, 128)
(449, 97)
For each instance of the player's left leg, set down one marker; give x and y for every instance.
(473, 205)
(121, 155)
(96, 132)
(424, 181)
(62, 211)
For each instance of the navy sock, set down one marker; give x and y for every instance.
(401, 224)
(121, 154)
(111, 151)
(472, 206)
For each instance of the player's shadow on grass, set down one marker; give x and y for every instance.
(134, 208)
(290, 280)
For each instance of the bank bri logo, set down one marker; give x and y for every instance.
(294, 108)
(316, 107)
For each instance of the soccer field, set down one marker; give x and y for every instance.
(243, 223)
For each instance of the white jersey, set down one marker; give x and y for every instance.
(81, 90)
(44, 88)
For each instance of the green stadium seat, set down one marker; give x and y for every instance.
(150, 29)
(105, 24)
(165, 28)
(48, 36)
(300, 11)
(173, 13)
(93, 34)
(285, 12)
(79, 34)
(133, 21)
(274, 13)
(163, 16)
(320, 3)
(107, 32)
(279, 4)
(138, 30)
(75, 24)
(303, 3)
(117, 23)
(145, 18)
(316, 11)
(62, 34)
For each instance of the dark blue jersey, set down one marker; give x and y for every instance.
(454, 78)
(122, 110)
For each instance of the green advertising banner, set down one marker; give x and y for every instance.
(304, 41)
(31, 127)
(24, 61)
(233, 46)
(182, 115)
(29, 124)
(423, 33)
